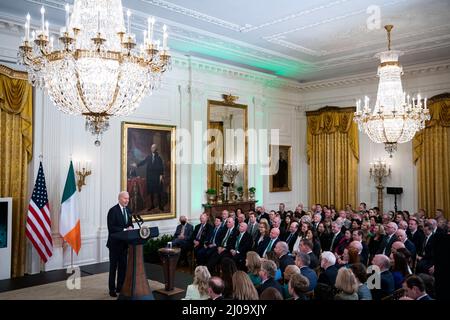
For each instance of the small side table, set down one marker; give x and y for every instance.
(169, 258)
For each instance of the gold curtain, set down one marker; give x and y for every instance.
(432, 157)
(333, 155)
(16, 143)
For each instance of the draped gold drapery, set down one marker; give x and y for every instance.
(16, 143)
(432, 157)
(333, 155)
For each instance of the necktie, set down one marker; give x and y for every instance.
(289, 238)
(199, 233)
(125, 217)
(182, 230)
(153, 158)
(251, 229)
(332, 241)
(238, 241)
(224, 242)
(269, 246)
(214, 237)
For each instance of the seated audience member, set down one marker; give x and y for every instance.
(298, 286)
(386, 279)
(429, 282)
(270, 293)
(343, 242)
(263, 239)
(274, 238)
(227, 242)
(302, 261)
(415, 289)
(282, 251)
(402, 237)
(329, 271)
(215, 288)
(211, 244)
(291, 236)
(253, 226)
(198, 290)
(273, 257)
(324, 236)
(306, 246)
(399, 268)
(243, 288)
(182, 238)
(346, 284)
(288, 272)
(267, 275)
(357, 235)
(360, 272)
(253, 264)
(241, 246)
(200, 235)
(312, 236)
(227, 269)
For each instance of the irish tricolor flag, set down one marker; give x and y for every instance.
(69, 222)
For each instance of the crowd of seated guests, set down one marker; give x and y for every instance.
(317, 254)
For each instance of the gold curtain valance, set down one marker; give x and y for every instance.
(329, 120)
(439, 107)
(16, 98)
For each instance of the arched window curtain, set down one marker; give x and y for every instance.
(333, 155)
(16, 143)
(432, 157)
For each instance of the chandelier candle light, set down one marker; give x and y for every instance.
(396, 117)
(96, 70)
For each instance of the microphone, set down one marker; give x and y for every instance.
(140, 218)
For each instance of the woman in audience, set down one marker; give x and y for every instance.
(288, 273)
(312, 236)
(376, 239)
(253, 264)
(298, 287)
(272, 256)
(227, 269)
(348, 258)
(356, 224)
(304, 227)
(286, 223)
(360, 272)
(343, 243)
(346, 284)
(198, 290)
(399, 268)
(324, 235)
(263, 239)
(270, 293)
(243, 288)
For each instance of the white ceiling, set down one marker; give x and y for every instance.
(303, 40)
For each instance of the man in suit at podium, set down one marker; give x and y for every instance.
(119, 219)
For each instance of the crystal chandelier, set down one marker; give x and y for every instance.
(97, 70)
(396, 117)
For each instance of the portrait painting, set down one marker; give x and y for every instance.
(280, 158)
(148, 169)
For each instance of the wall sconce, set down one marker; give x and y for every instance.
(83, 169)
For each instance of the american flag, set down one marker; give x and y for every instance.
(39, 225)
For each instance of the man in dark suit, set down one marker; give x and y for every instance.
(241, 246)
(274, 234)
(183, 238)
(253, 226)
(336, 235)
(211, 244)
(291, 236)
(306, 246)
(216, 286)
(227, 241)
(154, 176)
(357, 235)
(415, 234)
(387, 284)
(329, 269)
(282, 251)
(415, 288)
(119, 219)
(267, 275)
(389, 239)
(200, 234)
(302, 261)
(426, 255)
(262, 214)
(402, 237)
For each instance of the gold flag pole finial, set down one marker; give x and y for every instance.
(388, 28)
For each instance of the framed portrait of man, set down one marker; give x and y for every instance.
(148, 169)
(280, 180)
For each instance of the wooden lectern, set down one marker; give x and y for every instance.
(169, 258)
(135, 286)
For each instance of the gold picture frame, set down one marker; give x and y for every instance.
(150, 178)
(281, 180)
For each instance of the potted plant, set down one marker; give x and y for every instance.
(240, 191)
(152, 245)
(211, 195)
(251, 193)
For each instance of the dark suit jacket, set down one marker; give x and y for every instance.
(387, 286)
(255, 232)
(364, 256)
(418, 239)
(427, 251)
(328, 276)
(425, 298)
(314, 261)
(285, 261)
(411, 248)
(291, 241)
(338, 238)
(154, 170)
(270, 283)
(311, 275)
(271, 249)
(386, 244)
(231, 239)
(260, 247)
(211, 238)
(245, 245)
(188, 231)
(204, 234)
(116, 223)
(264, 215)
